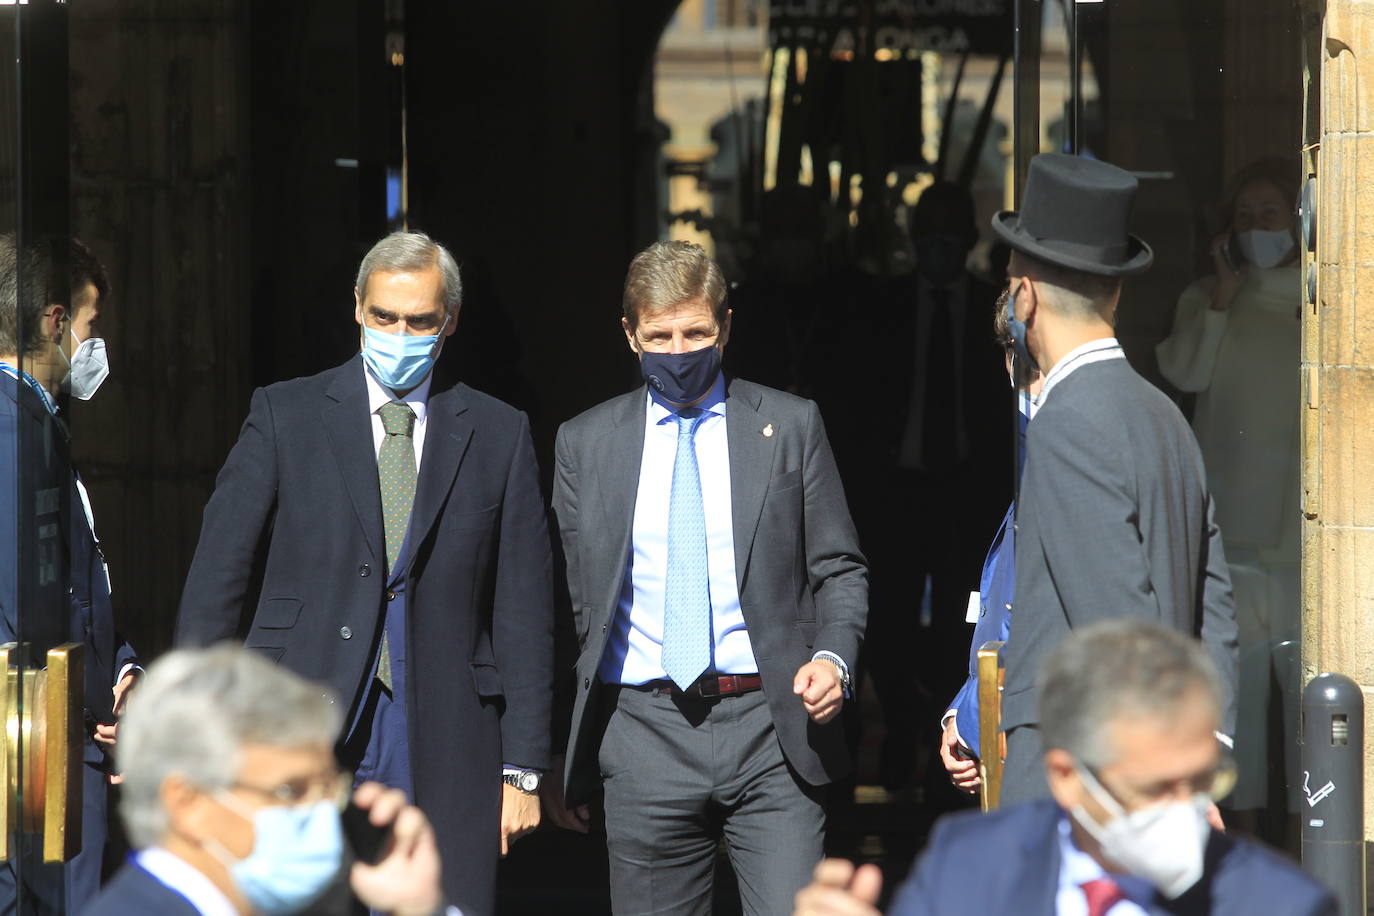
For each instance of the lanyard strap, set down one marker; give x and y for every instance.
(32, 383)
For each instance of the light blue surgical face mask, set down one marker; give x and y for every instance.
(297, 851)
(400, 361)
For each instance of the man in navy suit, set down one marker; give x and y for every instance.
(230, 800)
(1128, 712)
(381, 529)
(48, 349)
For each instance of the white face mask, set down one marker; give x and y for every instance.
(87, 368)
(1162, 844)
(1265, 248)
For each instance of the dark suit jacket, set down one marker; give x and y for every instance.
(36, 508)
(298, 505)
(1008, 863)
(134, 892)
(1114, 520)
(34, 444)
(803, 584)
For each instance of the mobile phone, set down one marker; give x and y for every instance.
(368, 841)
(1231, 253)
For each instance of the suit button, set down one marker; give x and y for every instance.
(364, 570)
(603, 628)
(586, 682)
(390, 596)
(345, 632)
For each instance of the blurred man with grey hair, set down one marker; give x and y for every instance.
(230, 795)
(380, 528)
(1129, 712)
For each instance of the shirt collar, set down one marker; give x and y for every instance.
(187, 880)
(378, 395)
(660, 411)
(1093, 351)
(1077, 867)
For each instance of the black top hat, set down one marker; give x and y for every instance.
(1074, 214)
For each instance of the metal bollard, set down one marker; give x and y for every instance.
(1333, 787)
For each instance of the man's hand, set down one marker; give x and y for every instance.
(818, 685)
(519, 815)
(121, 691)
(554, 805)
(963, 773)
(406, 881)
(839, 889)
(106, 735)
(1214, 818)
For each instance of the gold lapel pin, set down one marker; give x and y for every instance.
(768, 431)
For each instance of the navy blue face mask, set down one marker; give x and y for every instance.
(681, 378)
(1018, 337)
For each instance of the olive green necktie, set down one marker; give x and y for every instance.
(396, 470)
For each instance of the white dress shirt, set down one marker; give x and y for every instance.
(634, 654)
(1076, 867)
(187, 880)
(417, 399)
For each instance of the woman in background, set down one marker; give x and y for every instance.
(1236, 344)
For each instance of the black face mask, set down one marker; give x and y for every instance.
(681, 378)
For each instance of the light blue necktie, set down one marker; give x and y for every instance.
(687, 588)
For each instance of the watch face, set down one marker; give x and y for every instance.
(529, 782)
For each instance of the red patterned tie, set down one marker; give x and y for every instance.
(1102, 894)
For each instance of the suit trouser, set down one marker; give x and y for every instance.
(680, 774)
(1023, 779)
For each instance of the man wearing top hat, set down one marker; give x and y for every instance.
(1114, 517)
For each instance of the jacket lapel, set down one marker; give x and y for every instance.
(619, 455)
(346, 422)
(751, 436)
(447, 435)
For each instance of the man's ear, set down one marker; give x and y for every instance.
(1065, 784)
(629, 335)
(1027, 301)
(357, 307)
(185, 806)
(724, 336)
(52, 320)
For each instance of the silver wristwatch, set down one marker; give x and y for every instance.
(527, 781)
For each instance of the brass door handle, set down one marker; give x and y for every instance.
(40, 767)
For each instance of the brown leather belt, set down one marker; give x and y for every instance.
(711, 686)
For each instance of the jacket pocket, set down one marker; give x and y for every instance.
(278, 613)
(807, 630)
(785, 481)
(465, 521)
(486, 679)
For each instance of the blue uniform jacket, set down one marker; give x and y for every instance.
(995, 588)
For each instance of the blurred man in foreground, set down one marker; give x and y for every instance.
(1128, 711)
(230, 795)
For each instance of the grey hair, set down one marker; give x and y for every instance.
(404, 251)
(192, 716)
(1114, 669)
